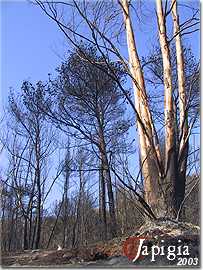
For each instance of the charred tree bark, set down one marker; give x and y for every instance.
(25, 234)
(102, 201)
(65, 223)
(81, 224)
(65, 200)
(34, 225)
(107, 177)
(30, 228)
(11, 233)
(38, 221)
(39, 195)
(183, 144)
(106, 173)
(55, 223)
(77, 226)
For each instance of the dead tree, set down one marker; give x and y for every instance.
(89, 108)
(38, 142)
(161, 180)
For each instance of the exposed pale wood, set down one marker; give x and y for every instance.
(181, 76)
(170, 151)
(149, 151)
(169, 116)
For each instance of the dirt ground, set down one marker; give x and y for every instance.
(111, 253)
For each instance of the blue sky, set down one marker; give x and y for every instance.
(31, 44)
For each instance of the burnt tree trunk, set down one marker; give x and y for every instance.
(107, 178)
(39, 193)
(65, 210)
(25, 234)
(102, 202)
(183, 144)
